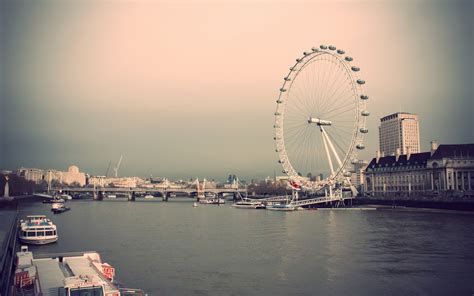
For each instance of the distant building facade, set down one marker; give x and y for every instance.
(399, 131)
(357, 174)
(447, 170)
(71, 176)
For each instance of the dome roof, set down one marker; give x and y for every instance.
(73, 169)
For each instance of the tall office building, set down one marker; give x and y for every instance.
(399, 131)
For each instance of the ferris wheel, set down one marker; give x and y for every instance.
(320, 119)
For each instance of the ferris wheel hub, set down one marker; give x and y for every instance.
(319, 121)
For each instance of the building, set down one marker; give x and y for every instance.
(445, 171)
(69, 177)
(399, 131)
(357, 174)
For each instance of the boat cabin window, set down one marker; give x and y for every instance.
(30, 233)
(90, 291)
(40, 233)
(50, 232)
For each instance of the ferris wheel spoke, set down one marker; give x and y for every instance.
(339, 85)
(340, 90)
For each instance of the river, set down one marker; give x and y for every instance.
(175, 249)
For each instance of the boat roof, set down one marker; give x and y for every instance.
(55, 273)
(36, 217)
(51, 275)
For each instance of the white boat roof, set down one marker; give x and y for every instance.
(83, 266)
(51, 276)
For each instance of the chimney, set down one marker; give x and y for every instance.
(377, 156)
(397, 154)
(434, 147)
(408, 153)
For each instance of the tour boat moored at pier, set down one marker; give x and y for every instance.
(74, 274)
(249, 204)
(37, 230)
(281, 207)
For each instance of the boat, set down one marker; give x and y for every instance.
(54, 199)
(212, 201)
(195, 204)
(148, 196)
(281, 207)
(69, 274)
(58, 208)
(249, 204)
(37, 230)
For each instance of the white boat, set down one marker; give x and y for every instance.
(212, 201)
(281, 207)
(148, 196)
(249, 204)
(195, 204)
(65, 196)
(74, 274)
(54, 199)
(59, 208)
(37, 230)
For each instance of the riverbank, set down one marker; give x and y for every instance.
(418, 203)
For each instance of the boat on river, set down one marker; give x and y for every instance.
(249, 204)
(212, 201)
(59, 207)
(70, 274)
(37, 230)
(281, 207)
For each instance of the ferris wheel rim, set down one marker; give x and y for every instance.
(359, 123)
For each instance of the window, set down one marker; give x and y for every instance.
(49, 233)
(40, 233)
(30, 233)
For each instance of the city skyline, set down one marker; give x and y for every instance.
(185, 93)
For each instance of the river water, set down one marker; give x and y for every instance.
(175, 249)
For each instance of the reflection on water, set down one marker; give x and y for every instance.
(175, 249)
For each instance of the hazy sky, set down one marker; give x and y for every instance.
(188, 88)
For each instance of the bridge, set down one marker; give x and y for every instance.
(99, 192)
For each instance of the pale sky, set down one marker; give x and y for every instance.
(188, 88)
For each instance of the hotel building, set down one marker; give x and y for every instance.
(399, 131)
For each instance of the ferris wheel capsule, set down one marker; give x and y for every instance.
(364, 97)
(363, 130)
(279, 101)
(332, 47)
(355, 69)
(282, 89)
(360, 146)
(340, 51)
(287, 78)
(349, 59)
(305, 53)
(360, 81)
(365, 113)
(323, 46)
(315, 49)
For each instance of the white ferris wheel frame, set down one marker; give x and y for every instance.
(341, 174)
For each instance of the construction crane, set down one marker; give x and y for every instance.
(116, 168)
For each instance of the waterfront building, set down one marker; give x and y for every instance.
(31, 174)
(357, 174)
(445, 171)
(71, 176)
(399, 131)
